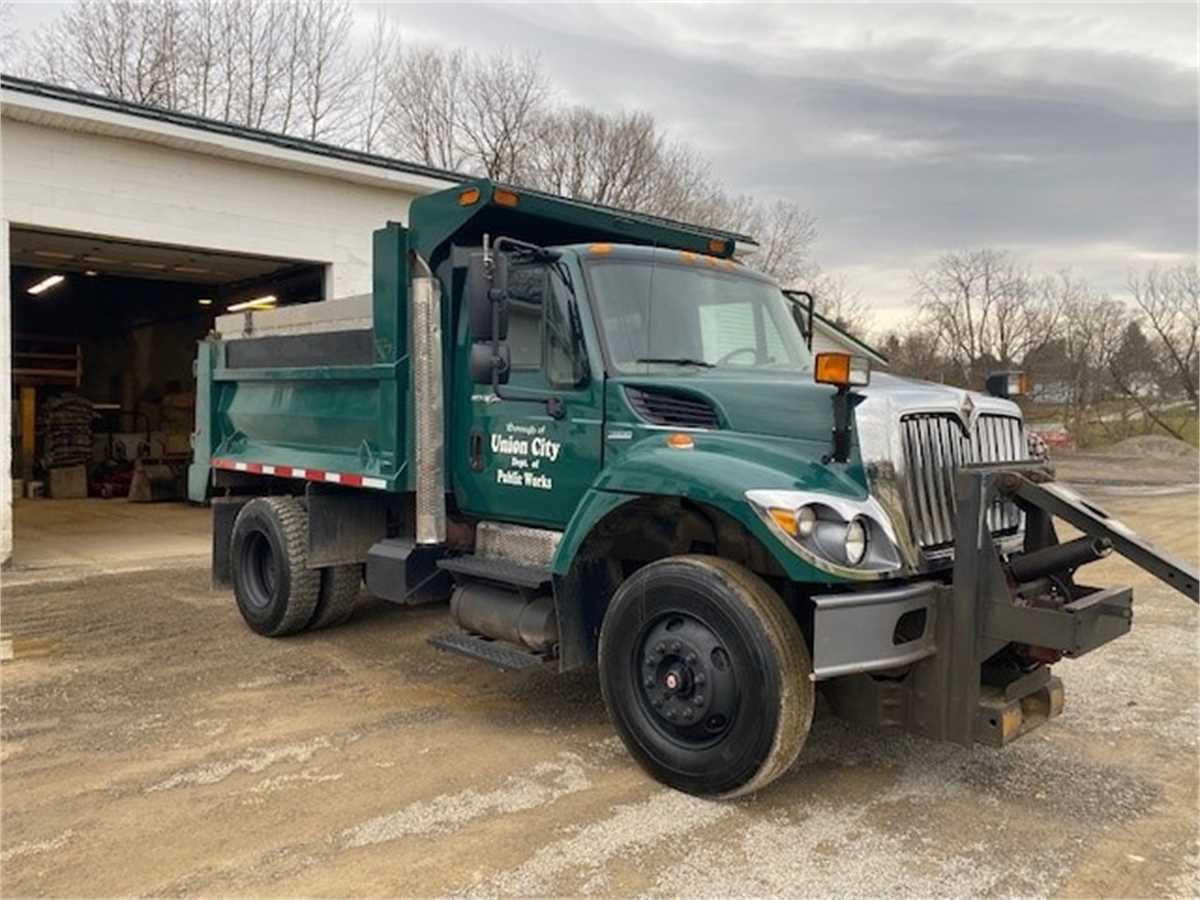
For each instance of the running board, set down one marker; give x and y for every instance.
(496, 653)
(502, 571)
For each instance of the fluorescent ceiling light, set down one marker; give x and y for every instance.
(46, 283)
(266, 302)
(101, 259)
(53, 254)
(148, 265)
(90, 273)
(205, 301)
(191, 270)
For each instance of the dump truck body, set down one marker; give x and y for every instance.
(603, 439)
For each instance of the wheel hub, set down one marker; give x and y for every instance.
(687, 681)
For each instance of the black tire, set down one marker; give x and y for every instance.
(276, 591)
(705, 674)
(338, 595)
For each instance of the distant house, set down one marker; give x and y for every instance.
(829, 338)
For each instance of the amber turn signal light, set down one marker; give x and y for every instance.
(843, 370)
(469, 197)
(505, 198)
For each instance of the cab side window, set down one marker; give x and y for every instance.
(527, 288)
(540, 333)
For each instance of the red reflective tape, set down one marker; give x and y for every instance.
(283, 471)
(352, 480)
(256, 468)
(315, 474)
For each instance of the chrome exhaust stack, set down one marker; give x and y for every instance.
(429, 452)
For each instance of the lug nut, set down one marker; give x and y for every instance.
(698, 700)
(660, 647)
(649, 682)
(691, 659)
(675, 645)
(700, 678)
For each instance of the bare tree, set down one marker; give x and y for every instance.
(329, 68)
(116, 47)
(424, 92)
(603, 158)
(1169, 300)
(504, 96)
(382, 56)
(914, 352)
(785, 232)
(841, 304)
(987, 309)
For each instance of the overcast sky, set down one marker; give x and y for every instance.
(1064, 132)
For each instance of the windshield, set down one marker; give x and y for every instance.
(657, 314)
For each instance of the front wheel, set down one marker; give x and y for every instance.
(705, 674)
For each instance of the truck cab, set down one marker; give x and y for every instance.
(604, 440)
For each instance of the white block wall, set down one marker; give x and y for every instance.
(75, 169)
(128, 189)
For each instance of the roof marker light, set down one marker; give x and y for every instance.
(505, 198)
(469, 197)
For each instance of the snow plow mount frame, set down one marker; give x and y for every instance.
(958, 692)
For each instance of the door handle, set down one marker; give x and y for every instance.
(475, 451)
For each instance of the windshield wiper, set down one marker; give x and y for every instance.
(677, 361)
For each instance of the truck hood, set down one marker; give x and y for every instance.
(781, 404)
(791, 405)
(895, 395)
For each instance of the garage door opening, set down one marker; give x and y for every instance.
(104, 338)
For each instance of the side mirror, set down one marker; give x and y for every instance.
(483, 361)
(486, 293)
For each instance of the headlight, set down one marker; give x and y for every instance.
(806, 521)
(847, 538)
(855, 542)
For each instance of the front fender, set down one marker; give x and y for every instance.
(716, 471)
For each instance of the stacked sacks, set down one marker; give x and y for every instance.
(66, 428)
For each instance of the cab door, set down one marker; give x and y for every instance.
(528, 454)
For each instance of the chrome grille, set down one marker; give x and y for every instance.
(934, 447)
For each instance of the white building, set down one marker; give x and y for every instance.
(147, 213)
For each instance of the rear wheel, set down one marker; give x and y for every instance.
(705, 675)
(338, 595)
(276, 591)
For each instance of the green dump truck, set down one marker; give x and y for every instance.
(605, 441)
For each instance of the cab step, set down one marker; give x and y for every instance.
(497, 653)
(501, 571)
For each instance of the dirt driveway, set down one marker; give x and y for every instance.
(152, 745)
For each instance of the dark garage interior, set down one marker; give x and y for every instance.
(104, 337)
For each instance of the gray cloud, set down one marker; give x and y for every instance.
(1068, 133)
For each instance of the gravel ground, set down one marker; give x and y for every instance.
(150, 744)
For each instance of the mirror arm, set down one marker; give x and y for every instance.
(807, 306)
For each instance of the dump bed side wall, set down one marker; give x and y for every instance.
(326, 402)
